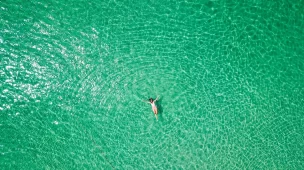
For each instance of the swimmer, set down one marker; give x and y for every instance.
(154, 107)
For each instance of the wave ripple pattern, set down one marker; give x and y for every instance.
(74, 74)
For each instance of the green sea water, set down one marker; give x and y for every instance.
(74, 74)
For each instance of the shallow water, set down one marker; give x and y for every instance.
(230, 76)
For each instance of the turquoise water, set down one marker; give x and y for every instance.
(230, 76)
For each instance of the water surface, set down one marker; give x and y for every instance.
(73, 75)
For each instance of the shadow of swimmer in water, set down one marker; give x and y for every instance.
(154, 106)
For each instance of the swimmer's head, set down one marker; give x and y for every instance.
(151, 100)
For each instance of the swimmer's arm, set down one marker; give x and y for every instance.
(157, 98)
(146, 101)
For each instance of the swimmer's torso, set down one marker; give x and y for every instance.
(154, 108)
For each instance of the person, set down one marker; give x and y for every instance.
(154, 107)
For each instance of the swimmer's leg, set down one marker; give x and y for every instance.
(156, 116)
